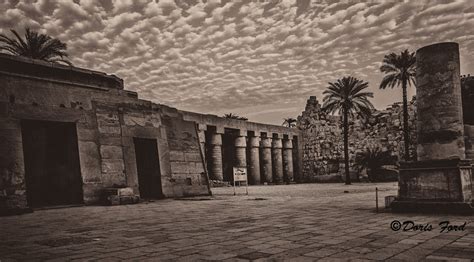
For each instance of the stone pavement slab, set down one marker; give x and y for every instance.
(303, 222)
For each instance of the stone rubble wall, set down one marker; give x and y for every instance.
(323, 149)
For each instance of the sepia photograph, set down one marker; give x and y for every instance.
(236, 130)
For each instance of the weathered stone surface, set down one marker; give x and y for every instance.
(288, 165)
(90, 161)
(112, 165)
(192, 157)
(182, 167)
(266, 151)
(441, 179)
(432, 180)
(111, 152)
(216, 172)
(439, 111)
(277, 160)
(176, 156)
(240, 151)
(254, 161)
(322, 148)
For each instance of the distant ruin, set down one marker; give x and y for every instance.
(323, 159)
(322, 155)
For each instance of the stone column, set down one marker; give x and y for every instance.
(439, 106)
(216, 157)
(288, 160)
(202, 139)
(277, 160)
(254, 160)
(240, 151)
(266, 144)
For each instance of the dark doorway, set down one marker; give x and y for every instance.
(228, 154)
(148, 168)
(52, 168)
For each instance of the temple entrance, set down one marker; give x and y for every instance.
(228, 153)
(148, 168)
(52, 169)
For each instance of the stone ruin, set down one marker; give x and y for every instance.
(441, 178)
(322, 149)
(67, 135)
(323, 155)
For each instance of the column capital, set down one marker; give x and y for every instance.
(254, 141)
(266, 142)
(240, 141)
(287, 144)
(242, 132)
(216, 139)
(276, 143)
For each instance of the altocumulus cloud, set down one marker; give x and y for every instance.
(261, 58)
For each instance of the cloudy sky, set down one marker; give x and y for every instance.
(259, 59)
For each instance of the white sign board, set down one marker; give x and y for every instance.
(240, 175)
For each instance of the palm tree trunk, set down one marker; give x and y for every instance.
(406, 137)
(346, 147)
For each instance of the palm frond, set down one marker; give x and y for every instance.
(36, 46)
(398, 68)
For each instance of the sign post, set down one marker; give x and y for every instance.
(240, 175)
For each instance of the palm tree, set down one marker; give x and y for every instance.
(289, 122)
(35, 45)
(400, 70)
(348, 97)
(235, 116)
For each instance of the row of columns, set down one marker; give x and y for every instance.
(276, 160)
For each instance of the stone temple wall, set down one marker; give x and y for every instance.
(67, 134)
(106, 119)
(323, 155)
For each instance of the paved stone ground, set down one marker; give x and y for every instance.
(274, 223)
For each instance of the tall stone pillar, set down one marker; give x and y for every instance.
(288, 160)
(439, 105)
(240, 151)
(254, 160)
(277, 160)
(267, 159)
(441, 180)
(216, 157)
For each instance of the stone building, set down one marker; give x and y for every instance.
(66, 134)
(323, 155)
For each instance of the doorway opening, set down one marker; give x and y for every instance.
(148, 168)
(228, 153)
(52, 169)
